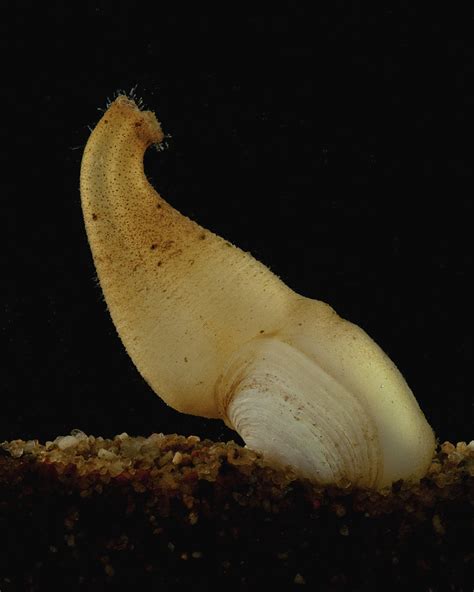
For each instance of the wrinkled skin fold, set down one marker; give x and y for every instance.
(216, 334)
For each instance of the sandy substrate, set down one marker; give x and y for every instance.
(176, 512)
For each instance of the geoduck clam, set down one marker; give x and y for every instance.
(216, 334)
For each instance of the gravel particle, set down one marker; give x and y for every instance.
(438, 525)
(109, 570)
(79, 434)
(177, 458)
(106, 454)
(65, 442)
(299, 579)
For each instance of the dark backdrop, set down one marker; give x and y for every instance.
(337, 148)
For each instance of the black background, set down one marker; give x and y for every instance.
(337, 148)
